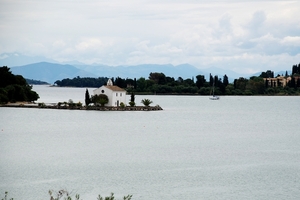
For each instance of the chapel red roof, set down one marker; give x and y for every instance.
(114, 88)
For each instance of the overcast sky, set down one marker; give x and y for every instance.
(244, 36)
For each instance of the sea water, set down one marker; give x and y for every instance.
(239, 147)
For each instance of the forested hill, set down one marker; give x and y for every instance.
(82, 82)
(14, 87)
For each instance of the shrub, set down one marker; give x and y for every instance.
(146, 102)
(122, 105)
(131, 103)
(101, 99)
(79, 104)
(71, 103)
(42, 104)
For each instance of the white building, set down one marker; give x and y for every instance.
(115, 94)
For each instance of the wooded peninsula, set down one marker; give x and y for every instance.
(158, 83)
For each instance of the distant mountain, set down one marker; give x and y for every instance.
(49, 72)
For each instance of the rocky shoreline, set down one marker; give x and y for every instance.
(66, 107)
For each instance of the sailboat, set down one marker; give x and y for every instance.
(214, 97)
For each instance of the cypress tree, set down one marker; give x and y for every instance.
(132, 98)
(211, 80)
(225, 80)
(87, 98)
(294, 69)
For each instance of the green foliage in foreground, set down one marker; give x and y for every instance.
(65, 195)
(14, 87)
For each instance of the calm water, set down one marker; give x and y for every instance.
(234, 148)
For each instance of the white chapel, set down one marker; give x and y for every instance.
(115, 94)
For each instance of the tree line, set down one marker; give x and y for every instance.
(14, 87)
(159, 83)
(36, 82)
(82, 82)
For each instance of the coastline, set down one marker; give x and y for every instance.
(64, 107)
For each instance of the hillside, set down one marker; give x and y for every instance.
(49, 72)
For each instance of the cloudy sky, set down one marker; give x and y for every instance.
(243, 36)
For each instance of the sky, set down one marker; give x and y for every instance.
(239, 35)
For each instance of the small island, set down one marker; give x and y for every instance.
(67, 106)
(16, 92)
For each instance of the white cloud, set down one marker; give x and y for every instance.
(291, 41)
(247, 34)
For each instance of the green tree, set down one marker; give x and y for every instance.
(170, 80)
(3, 96)
(211, 80)
(256, 85)
(292, 83)
(200, 81)
(158, 78)
(146, 102)
(101, 99)
(6, 77)
(180, 79)
(225, 80)
(267, 74)
(120, 82)
(14, 87)
(240, 83)
(132, 99)
(189, 82)
(87, 97)
(294, 69)
(204, 90)
(141, 84)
